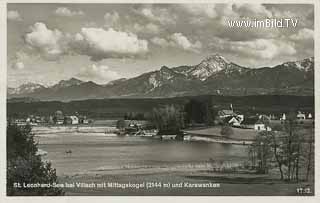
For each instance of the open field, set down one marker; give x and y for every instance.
(230, 184)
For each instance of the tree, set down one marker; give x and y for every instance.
(292, 145)
(289, 146)
(121, 124)
(25, 166)
(262, 148)
(310, 154)
(199, 112)
(168, 119)
(278, 151)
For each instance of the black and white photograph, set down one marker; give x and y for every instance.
(160, 99)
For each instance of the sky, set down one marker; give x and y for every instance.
(47, 43)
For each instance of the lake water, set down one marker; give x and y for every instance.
(98, 152)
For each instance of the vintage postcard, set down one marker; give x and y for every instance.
(160, 99)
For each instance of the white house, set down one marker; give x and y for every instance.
(254, 123)
(74, 120)
(283, 117)
(301, 116)
(240, 118)
(260, 126)
(234, 121)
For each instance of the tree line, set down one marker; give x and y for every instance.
(288, 147)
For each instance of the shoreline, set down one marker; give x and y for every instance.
(108, 131)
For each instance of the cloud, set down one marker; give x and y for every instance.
(252, 10)
(216, 11)
(18, 65)
(156, 14)
(263, 48)
(90, 24)
(304, 41)
(208, 10)
(66, 12)
(97, 43)
(303, 34)
(258, 48)
(50, 44)
(149, 28)
(101, 44)
(14, 16)
(182, 41)
(160, 42)
(111, 19)
(178, 40)
(98, 73)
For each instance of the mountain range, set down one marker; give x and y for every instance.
(214, 75)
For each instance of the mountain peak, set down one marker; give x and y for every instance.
(72, 80)
(216, 57)
(66, 83)
(164, 69)
(26, 88)
(306, 64)
(210, 65)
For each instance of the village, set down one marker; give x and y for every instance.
(230, 126)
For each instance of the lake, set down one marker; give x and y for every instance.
(97, 152)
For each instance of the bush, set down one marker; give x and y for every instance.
(226, 131)
(25, 166)
(121, 124)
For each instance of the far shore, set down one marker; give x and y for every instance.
(208, 136)
(73, 129)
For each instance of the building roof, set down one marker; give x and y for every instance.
(74, 117)
(229, 118)
(226, 112)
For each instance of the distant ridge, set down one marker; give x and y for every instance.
(213, 75)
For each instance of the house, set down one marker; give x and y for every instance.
(233, 120)
(259, 126)
(83, 120)
(301, 116)
(283, 117)
(226, 113)
(31, 120)
(73, 120)
(254, 123)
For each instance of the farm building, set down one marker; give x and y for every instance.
(254, 123)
